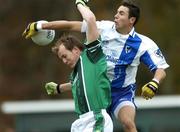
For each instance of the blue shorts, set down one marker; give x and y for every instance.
(122, 97)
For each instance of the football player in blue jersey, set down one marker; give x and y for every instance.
(125, 49)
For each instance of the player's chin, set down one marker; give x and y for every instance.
(116, 26)
(71, 65)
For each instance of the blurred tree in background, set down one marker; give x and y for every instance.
(25, 67)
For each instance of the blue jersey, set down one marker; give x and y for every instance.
(125, 52)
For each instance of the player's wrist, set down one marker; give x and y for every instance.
(81, 2)
(153, 85)
(38, 26)
(155, 80)
(58, 88)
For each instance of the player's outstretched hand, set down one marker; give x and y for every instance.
(83, 2)
(51, 88)
(149, 89)
(30, 30)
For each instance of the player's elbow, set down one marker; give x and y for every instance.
(90, 18)
(163, 72)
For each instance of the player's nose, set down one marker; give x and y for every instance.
(115, 16)
(65, 61)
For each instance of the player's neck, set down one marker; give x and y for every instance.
(124, 31)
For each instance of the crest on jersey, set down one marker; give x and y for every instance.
(159, 53)
(128, 49)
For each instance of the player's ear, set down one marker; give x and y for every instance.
(76, 50)
(132, 20)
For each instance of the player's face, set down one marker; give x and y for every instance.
(68, 57)
(121, 19)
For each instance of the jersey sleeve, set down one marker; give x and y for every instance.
(153, 57)
(94, 51)
(101, 25)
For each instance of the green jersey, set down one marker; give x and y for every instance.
(90, 85)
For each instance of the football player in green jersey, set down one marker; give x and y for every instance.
(89, 83)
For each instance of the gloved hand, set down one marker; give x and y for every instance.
(51, 88)
(30, 30)
(83, 2)
(149, 89)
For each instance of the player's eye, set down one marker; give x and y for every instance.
(64, 56)
(121, 13)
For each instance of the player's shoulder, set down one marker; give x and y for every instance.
(146, 40)
(105, 24)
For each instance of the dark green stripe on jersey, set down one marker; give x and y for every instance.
(99, 124)
(79, 89)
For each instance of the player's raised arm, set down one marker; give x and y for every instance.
(63, 25)
(34, 27)
(92, 33)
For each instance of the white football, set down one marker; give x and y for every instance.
(43, 37)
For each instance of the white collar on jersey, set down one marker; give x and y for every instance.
(131, 33)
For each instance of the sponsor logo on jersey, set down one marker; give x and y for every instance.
(159, 53)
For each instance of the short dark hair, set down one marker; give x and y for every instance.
(134, 10)
(69, 42)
